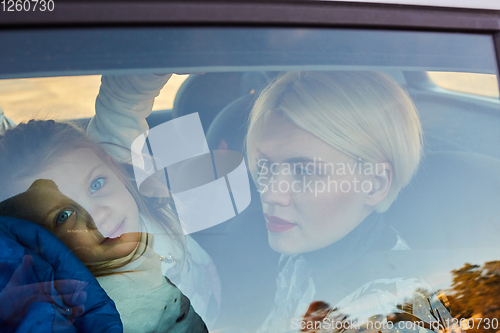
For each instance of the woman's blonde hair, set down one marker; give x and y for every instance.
(365, 115)
(30, 147)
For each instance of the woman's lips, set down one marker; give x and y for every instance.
(277, 225)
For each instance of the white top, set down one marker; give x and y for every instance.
(193, 272)
(121, 108)
(147, 301)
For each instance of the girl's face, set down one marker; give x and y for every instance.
(83, 177)
(312, 194)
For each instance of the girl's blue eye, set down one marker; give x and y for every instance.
(63, 216)
(96, 185)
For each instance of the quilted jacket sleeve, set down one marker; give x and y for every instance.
(39, 268)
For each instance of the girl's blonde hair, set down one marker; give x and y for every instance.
(30, 147)
(365, 115)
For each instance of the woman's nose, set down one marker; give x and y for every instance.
(277, 191)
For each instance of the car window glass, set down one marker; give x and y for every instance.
(479, 84)
(70, 97)
(309, 249)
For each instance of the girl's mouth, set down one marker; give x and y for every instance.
(117, 231)
(277, 225)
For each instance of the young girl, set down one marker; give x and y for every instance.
(87, 174)
(111, 241)
(122, 106)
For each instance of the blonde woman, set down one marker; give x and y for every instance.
(329, 152)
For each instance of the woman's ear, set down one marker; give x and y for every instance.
(381, 184)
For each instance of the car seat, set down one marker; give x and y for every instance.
(239, 247)
(209, 93)
(452, 202)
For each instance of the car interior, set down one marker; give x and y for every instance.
(460, 167)
(449, 208)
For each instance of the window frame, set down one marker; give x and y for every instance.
(262, 13)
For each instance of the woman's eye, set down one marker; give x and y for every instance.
(96, 185)
(305, 171)
(63, 216)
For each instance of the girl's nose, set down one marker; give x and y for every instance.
(277, 191)
(100, 214)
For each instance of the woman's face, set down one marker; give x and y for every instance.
(312, 194)
(83, 177)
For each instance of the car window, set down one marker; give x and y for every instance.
(292, 177)
(70, 97)
(478, 84)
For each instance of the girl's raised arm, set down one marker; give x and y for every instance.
(123, 103)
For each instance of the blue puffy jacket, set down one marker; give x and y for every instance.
(44, 287)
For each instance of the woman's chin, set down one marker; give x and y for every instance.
(281, 245)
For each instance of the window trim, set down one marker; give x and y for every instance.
(257, 13)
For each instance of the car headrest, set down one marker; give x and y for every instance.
(453, 201)
(209, 93)
(229, 128)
